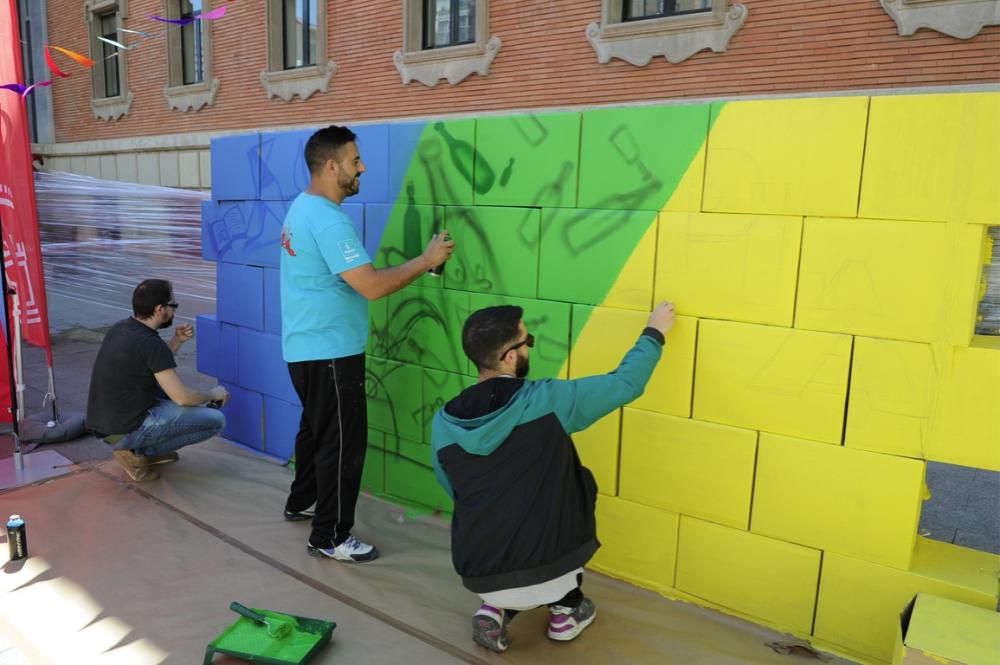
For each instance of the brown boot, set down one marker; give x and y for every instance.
(135, 466)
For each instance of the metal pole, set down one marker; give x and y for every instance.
(18, 458)
(52, 395)
(16, 355)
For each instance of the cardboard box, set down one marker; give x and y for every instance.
(841, 500)
(770, 580)
(937, 631)
(860, 601)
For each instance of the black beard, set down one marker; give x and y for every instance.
(521, 370)
(166, 324)
(353, 186)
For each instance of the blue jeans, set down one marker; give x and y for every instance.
(168, 427)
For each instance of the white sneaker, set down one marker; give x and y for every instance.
(565, 623)
(351, 549)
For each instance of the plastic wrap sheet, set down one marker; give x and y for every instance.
(100, 238)
(988, 321)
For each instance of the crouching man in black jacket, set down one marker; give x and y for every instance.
(523, 526)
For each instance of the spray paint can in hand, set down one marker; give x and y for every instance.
(437, 270)
(17, 538)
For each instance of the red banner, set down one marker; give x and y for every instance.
(22, 252)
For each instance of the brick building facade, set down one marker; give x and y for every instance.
(545, 60)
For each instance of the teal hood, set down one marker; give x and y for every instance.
(483, 416)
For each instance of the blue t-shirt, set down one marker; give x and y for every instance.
(321, 315)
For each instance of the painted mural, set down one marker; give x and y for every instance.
(825, 256)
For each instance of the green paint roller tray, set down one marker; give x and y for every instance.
(255, 641)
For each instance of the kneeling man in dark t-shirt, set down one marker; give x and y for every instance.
(137, 403)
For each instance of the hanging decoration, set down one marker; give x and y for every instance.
(23, 90)
(87, 63)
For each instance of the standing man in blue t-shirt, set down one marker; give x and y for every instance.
(327, 280)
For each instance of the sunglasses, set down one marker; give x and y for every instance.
(172, 304)
(528, 341)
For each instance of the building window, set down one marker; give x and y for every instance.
(297, 64)
(28, 65)
(449, 23)
(192, 46)
(190, 84)
(111, 98)
(962, 19)
(111, 84)
(637, 31)
(637, 10)
(298, 21)
(445, 39)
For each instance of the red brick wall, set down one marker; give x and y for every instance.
(786, 46)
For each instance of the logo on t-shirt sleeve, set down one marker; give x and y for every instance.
(286, 240)
(349, 250)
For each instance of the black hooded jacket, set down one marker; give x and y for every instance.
(524, 504)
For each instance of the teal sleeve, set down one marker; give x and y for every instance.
(580, 403)
(439, 473)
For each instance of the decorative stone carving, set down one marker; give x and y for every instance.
(675, 38)
(453, 63)
(962, 19)
(111, 108)
(302, 81)
(191, 97)
(90, 6)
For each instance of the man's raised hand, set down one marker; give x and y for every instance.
(662, 317)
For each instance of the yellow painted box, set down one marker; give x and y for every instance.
(933, 157)
(638, 543)
(849, 501)
(786, 156)
(938, 631)
(859, 602)
(688, 466)
(773, 379)
(608, 333)
(888, 279)
(598, 448)
(736, 267)
(965, 429)
(755, 576)
(893, 386)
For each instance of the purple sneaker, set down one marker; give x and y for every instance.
(565, 623)
(489, 628)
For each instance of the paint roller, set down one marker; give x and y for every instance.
(276, 626)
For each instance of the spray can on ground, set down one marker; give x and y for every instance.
(17, 538)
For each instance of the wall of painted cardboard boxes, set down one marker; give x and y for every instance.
(825, 256)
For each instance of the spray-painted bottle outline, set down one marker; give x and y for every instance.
(629, 153)
(550, 193)
(531, 128)
(505, 175)
(623, 203)
(468, 160)
(412, 236)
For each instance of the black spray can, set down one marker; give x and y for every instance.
(17, 538)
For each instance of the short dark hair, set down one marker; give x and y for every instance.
(325, 145)
(149, 294)
(487, 331)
